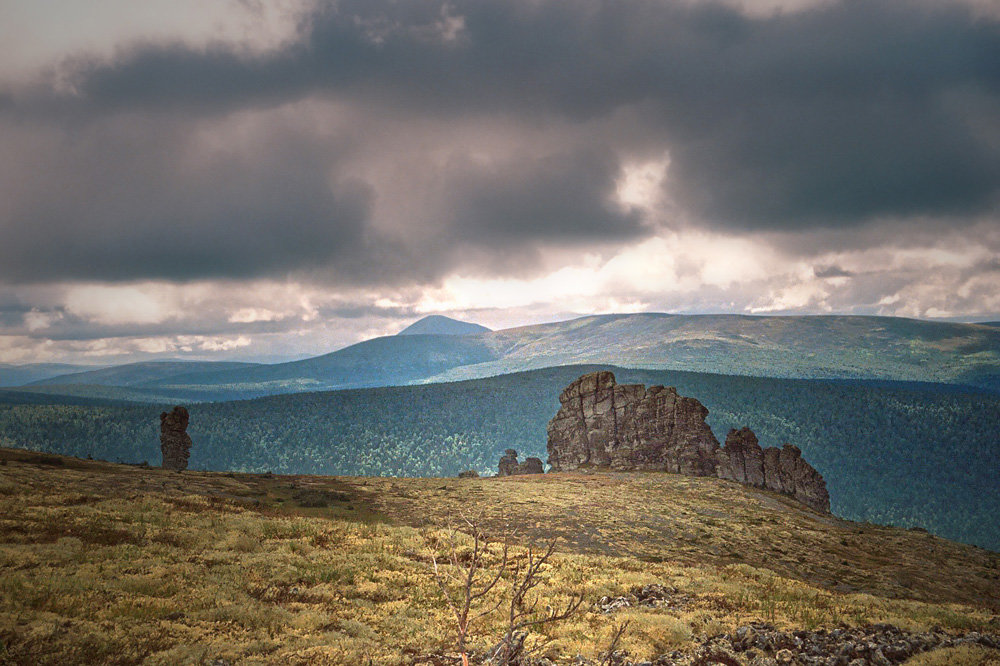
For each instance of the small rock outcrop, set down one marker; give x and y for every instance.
(603, 424)
(175, 444)
(508, 465)
(468, 474)
(531, 466)
(781, 470)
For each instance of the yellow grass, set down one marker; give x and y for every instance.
(112, 564)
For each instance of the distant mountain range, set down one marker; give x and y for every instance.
(837, 346)
(141, 374)
(18, 375)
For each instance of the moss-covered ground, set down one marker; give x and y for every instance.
(115, 564)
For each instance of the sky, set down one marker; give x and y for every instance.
(228, 179)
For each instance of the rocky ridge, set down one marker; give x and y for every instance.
(628, 427)
(175, 443)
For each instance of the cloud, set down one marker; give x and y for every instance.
(122, 199)
(832, 271)
(682, 271)
(805, 155)
(837, 115)
(558, 198)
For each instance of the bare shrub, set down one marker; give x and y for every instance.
(486, 579)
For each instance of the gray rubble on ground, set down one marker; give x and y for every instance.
(653, 595)
(761, 644)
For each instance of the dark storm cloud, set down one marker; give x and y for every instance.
(829, 117)
(831, 272)
(565, 198)
(11, 317)
(131, 198)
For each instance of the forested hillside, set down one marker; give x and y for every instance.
(807, 347)
(904, 454)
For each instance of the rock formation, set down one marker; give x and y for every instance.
(781, 470)
(175, 444)
(629, 427)
(531, 466)
(601, 424)
(508, 465)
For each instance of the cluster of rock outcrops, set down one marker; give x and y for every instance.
(602, 424)
(175, 444)
(509, 466)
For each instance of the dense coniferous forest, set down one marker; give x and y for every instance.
(892, 453)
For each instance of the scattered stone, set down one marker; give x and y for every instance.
(651, 596)
(602, 424)
(175, 444)
(761, 644)
(872, 645)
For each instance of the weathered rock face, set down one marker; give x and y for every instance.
(628, 427)
(742, 459)
(175, 444)
(809, 485)
(781, 470)
(531, 466)
(508, 465)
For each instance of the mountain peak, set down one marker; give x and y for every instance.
(441, 325)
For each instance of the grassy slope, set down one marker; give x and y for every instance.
(103, 563)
